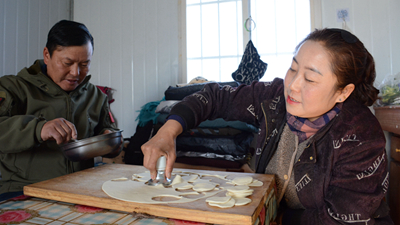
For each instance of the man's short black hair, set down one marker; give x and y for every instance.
(68, 33)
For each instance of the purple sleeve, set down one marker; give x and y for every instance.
(177, 118)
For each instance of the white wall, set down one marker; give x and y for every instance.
(24, 25)
(376, 24)
(137, 42)
(136, 51)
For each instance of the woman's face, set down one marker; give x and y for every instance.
(310, 85)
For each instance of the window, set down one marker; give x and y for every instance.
(216, 35)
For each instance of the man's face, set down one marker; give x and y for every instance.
(68, 66)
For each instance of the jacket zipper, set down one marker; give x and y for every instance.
(266, 125)
(90, 123)
(70, 167)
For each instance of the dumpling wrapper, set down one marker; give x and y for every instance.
(250, 191)
(242, 201)
(120, 179)
(256, 183)
(239, 194)
(177, 180)
(218, 200)
(190, 178)
(228, 204)
(238, 188)
(201, 187)
(182, 186)
(222, 177)
(242, 180)
(198, 181)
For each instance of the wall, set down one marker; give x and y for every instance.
(24, 25)
(376, 24)
(136, 51)
(137, 42)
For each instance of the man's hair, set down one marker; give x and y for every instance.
(68, 33)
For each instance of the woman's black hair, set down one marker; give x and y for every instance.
(68, 33)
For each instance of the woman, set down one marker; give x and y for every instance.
(316, 133)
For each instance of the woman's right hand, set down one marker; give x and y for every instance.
(162, 144)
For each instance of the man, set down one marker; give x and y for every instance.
(48, 104)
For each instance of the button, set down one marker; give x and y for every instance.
(285, 177)
(311, 158)
(273, 120)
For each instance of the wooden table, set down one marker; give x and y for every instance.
(84, 188)
(389, 118)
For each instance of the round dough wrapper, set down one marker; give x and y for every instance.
(242, 201)
(222, 177)
(183, 186)
(218, 200)
(238, 188)
(239, 194)
(228, 204)
(242, 180)
(190, 178)
(256, 183)
(177, 180)
(201, 187)
(120, 179)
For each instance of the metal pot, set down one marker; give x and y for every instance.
(107, 145)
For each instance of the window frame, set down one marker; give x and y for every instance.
(316, 22)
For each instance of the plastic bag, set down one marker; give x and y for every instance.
(389, 91)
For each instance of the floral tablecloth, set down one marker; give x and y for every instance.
(29, 210)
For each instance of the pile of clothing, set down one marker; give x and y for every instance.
(216, 143)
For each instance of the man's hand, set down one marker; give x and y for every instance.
(60, 130)
(163, 143)
(107, 131)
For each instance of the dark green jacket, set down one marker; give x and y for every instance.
(27, 101)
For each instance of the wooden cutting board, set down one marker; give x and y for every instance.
(85, 187)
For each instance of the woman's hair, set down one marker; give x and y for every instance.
(351, 62)
(68, 33)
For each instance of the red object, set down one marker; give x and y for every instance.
(111, 117)
(14, 216)
(21, 197)
(261, 216)
(107, 90)
(87, 209)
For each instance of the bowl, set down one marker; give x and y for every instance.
(106, 145)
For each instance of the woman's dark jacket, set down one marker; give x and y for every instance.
(341, 177)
